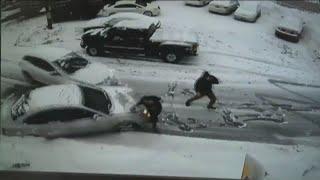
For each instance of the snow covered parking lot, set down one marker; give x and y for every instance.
(263, 77)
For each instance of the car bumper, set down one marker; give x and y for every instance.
(82, 44)
(287, 36)
(220, 10)
(196, 3)
(245, 18)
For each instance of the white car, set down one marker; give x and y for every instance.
(223, 6)
(150, 9)
(197, 2)
(290, 28)
(248, 11)
(50, 65)
(103, 22)
(66, 109)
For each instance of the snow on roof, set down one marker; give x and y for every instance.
(125, 2)
(122, 16)
(55, 95)
(221, 3)
(292, 23)
(133, 24)
(48, 53)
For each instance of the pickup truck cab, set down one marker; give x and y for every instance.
(140, 38)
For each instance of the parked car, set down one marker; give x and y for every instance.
(223, 7)
(50, 65)
(290, 28)
(248, 11)
(66, 109)
(149, 9)
(103, 22)
(197, 2)
(138, 37)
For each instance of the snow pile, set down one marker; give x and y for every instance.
(150, 154)
(40, 35)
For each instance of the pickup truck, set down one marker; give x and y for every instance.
(140, 38)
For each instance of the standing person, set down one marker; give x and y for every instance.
(203, 87)
(154, 108)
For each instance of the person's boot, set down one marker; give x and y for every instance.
(188, 103)
(210, 106)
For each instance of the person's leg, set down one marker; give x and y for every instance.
(197, 96)
(212, 98)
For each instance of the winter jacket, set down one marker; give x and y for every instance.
(153, 105)
(203, 85)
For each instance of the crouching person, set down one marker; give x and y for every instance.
(152, 110)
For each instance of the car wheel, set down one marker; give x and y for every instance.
(148, 13)
(92, 51)
(171, 56)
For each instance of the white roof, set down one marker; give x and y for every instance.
(48, 53)
(221, 3)
(122, 16)
(133, 24)
(292, 23)
(55, 95)
(125, 2)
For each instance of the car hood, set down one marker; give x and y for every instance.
(120, 97)
(161, 35)
(245, 12)
(94, 73)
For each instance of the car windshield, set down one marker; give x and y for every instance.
(96, 99)
(71, 63)
(20, 107)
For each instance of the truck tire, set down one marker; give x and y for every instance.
(171, 56)
(93, 51)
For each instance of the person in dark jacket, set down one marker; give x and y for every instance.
(154, 108)
(203, 87)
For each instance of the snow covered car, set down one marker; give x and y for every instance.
(66, 109)
(50, 65)
(111, 20)
(197, 2)
(140, 38)
(223, 7)
(149, 9)
(249, 11)
(290, 28)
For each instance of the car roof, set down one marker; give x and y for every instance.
(221, 2)
(55, 95)
(125, 2)
(291, 22)
(133, 24)
(48, 53)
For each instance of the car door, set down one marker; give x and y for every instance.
(40, 70)
(125, 8)
(58, 114)
(124, 41)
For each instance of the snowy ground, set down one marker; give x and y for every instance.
(261, 75)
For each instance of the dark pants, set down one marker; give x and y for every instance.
(199, 95)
